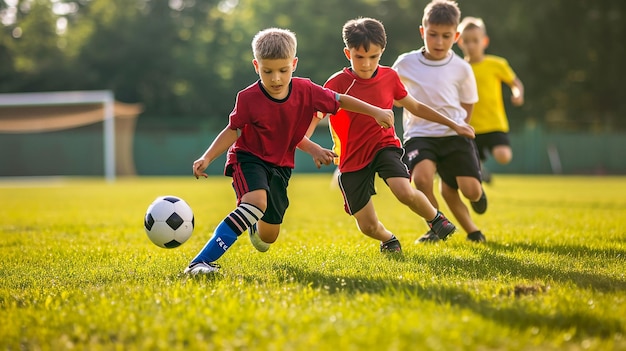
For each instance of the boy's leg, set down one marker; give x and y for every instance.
(357, 189)
(423, 175)
(224, 236)
(411, 197)
(439, 225)
(250, 182)
(502, 154)
(266, 231)
(461, 212)
(368, 223)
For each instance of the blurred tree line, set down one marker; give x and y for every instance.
(188, 58)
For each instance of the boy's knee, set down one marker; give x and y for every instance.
(502, 154)
(367, 227)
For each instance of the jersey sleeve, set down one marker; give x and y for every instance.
(399, 90)
(325, 100)
(468, 91)
(237, 118)
(505, 72)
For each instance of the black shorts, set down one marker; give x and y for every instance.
(487, 141)
(251, 173)
(358, 187)
(455, 156)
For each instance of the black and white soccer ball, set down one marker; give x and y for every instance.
(169, 221)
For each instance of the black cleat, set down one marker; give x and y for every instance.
(477, 237)
(480, 206)
(441, 226)
(391, 246)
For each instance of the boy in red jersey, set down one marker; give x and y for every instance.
(270, 119)
(364, 149)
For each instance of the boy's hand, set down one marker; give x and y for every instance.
(199, 166)
(384, 118)
(465, 130)
(517, 100)
(322, 156)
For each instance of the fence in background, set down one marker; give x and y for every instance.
(171, 151)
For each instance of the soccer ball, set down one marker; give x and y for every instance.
(168, 221)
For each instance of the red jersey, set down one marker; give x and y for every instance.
(358, 137)
(271, 129)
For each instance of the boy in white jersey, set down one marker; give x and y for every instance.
(439, 78)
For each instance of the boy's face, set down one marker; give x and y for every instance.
(276, 75)
(473, 42)
(364, 63)
(438, 40)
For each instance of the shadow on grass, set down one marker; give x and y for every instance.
(517, 317)
(532, 271)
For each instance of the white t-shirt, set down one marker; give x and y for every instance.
(442, 85)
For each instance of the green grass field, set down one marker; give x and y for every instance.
(78, 272)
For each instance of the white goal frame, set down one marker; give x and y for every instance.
(104, 97)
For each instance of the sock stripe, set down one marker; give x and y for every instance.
(244, 216)
(251, 210)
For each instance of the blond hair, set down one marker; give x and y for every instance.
(274, 43)
(472, 23)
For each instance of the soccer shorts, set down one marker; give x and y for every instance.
(455, 156)
(358, 187)
(487, 141)
(251, 173)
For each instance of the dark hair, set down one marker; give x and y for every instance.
(444, 12)
(363, 32)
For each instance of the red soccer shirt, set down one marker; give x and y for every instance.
(358, 137)
(271, 129)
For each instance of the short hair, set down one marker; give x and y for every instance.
(274, 43)
(363, 32)
(472, 23)
(442, 12)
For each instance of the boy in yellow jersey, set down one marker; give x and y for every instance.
(489, 117)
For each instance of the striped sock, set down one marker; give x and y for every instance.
(227, 232)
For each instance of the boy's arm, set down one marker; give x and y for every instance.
(517, 92)
(221, 143)
(350, 103)
(426, 112)
(320, 155)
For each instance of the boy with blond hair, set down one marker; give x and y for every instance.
(438, 77)
(270, 119)
(489, 116)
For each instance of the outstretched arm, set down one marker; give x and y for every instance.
(350, 103)
(426, 112)
(221, 143)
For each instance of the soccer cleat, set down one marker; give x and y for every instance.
(429, 237)
(476, 236)
(391, 246)
(480, 206)
(201, 268)
(255, 239)
(441, 226)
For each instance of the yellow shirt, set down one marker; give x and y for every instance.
(488, 114)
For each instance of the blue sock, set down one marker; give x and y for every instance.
(227, 232)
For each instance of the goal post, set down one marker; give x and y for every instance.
(107, 115)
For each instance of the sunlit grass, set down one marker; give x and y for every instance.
(78, 272)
